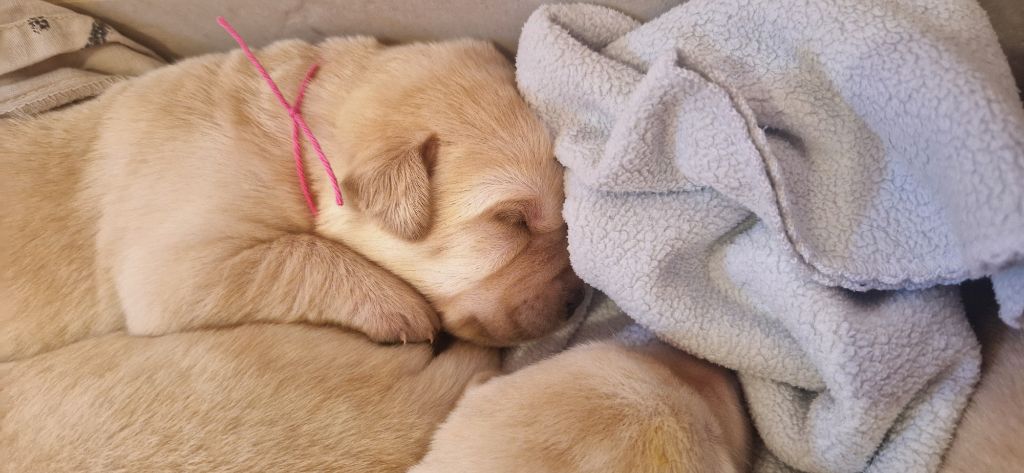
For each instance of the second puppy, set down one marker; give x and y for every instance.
(598, 408)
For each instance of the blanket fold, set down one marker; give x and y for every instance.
(53, 56)
(786, 188)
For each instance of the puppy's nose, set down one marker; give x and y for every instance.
(574, 301)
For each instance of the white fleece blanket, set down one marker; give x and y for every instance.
(783, 187)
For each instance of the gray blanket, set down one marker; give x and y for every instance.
(786, 188)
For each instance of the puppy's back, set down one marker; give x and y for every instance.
(47, 229)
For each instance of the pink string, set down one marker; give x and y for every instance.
(298, 122)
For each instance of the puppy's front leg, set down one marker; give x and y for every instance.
(294, 278)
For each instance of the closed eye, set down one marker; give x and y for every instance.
(512, 217)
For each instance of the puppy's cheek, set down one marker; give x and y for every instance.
(534, 319)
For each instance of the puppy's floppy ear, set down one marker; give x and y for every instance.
(392, 185)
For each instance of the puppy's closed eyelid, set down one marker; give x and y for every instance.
(515, 212)
(512, 217)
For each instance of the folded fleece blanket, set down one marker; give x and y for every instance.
(787, 188)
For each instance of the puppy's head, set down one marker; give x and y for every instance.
(451, 184)
(603, 408)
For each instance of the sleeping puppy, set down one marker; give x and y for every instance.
(171, 202)
(600, 408)
(250, 398)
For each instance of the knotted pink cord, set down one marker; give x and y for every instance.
(298, 123)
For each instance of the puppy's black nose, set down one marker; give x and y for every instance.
(574, 301)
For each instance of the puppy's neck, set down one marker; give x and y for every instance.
(342, 62)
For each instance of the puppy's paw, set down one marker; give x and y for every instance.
(399, 317)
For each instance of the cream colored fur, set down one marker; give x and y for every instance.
(300, 398)
(246, 399)
(170, 202)
(598, 408)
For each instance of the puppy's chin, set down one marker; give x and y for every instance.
(487, 316)
(501, 330)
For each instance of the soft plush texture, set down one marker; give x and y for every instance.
(784, 188)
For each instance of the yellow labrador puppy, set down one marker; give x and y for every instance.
(598, 408)
(171, 202)
(244, 399)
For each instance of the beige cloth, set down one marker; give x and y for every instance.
(51, 56)
(183, 28)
